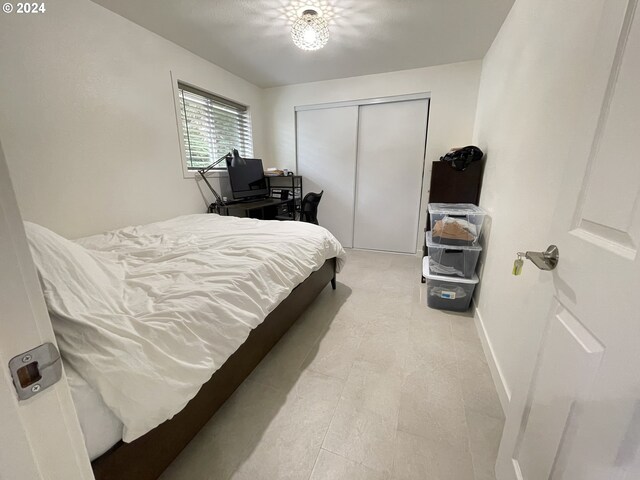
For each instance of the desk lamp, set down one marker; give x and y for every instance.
(235, 159)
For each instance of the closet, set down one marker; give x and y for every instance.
(368, 157)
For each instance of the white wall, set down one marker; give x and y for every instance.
(87, 118)
(532, 88)
(453, 89)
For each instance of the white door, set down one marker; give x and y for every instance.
(390, 163)
(326, 151)
(577, 417)
(40, 438)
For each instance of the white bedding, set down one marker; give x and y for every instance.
(147, 314)
(100, 427)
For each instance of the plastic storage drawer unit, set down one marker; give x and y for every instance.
(448, 293)
(452, 261)
(456, 223)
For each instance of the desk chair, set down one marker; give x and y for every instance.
(309, 207)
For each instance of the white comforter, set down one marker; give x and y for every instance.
(147, 314)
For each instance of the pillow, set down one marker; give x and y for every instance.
(74, 279)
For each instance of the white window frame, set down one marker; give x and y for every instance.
(186, 173)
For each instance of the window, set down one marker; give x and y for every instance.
(211, 127)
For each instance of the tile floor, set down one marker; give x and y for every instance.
(369, 384)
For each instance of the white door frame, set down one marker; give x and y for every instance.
(40, 438)
(366, 101)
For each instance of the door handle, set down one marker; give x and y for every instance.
(547, 260)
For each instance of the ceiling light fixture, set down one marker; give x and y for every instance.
(310, 31)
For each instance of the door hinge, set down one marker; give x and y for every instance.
(35, 370)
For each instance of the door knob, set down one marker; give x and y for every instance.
(547, 260)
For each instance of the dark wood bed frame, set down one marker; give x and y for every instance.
(148, 456)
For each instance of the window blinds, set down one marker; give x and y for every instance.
(212, 127)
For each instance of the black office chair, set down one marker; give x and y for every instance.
(309, 207)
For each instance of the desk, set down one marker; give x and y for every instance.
(263, 209)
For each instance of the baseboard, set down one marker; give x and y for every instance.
(494, 366)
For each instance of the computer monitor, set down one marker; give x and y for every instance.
(247, 178)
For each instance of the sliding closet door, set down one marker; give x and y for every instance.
(391, 146)
(326, 146)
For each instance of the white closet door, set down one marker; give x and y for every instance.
(391, 145)
(326, 144)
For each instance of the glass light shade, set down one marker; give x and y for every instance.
(310, 31)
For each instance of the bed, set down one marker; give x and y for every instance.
(159, 324)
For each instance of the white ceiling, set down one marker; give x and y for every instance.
(251, 38)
